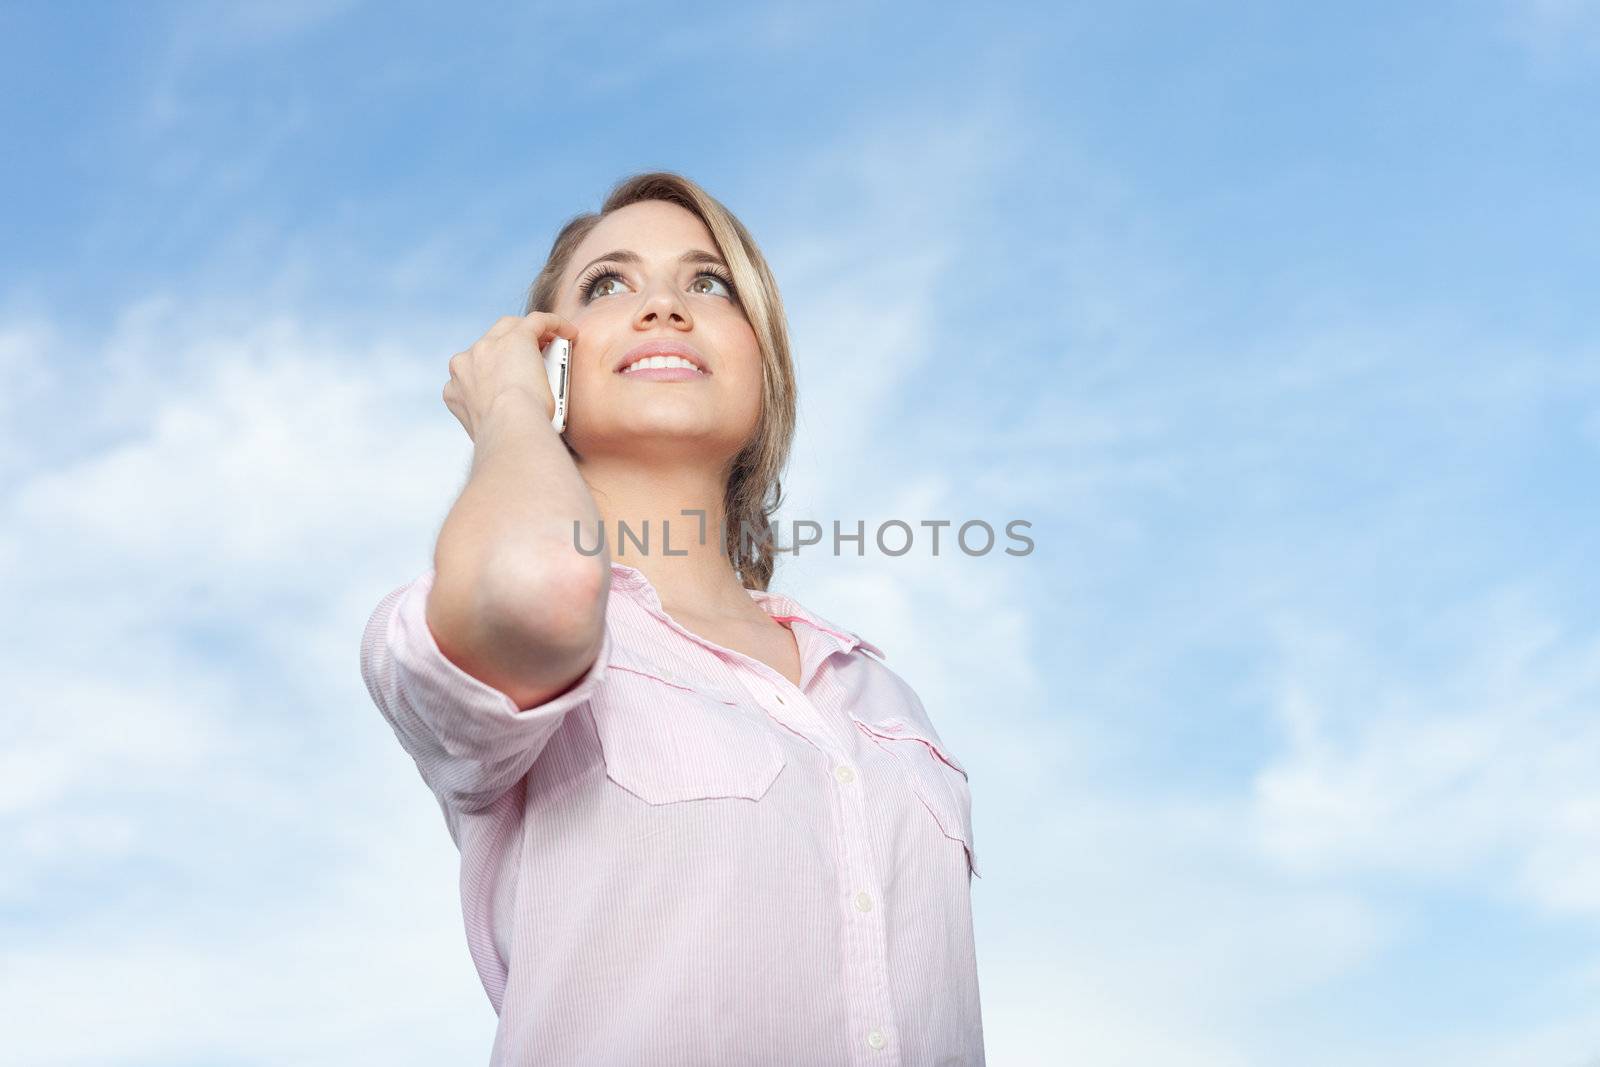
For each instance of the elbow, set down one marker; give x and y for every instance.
(560, 604)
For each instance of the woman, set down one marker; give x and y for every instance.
(698, 823)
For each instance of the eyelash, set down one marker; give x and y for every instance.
(587, 286)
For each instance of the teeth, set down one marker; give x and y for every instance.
(652, 362)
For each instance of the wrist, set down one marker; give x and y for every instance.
(517, 409)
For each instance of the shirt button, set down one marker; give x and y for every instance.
(875, 1038)
(863, 902)
(780, 699)
(844, 774)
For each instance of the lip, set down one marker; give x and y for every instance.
(662, 348)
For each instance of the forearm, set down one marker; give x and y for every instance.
(508, 540)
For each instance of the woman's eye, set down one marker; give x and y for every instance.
(713, 278)
(599, 288)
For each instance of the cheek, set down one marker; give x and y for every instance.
(747, 384)
(748, 359)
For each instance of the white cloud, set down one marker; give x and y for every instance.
(1482, 771)
(185, 731)
(337, 964)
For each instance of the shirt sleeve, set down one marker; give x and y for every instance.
(470, 741)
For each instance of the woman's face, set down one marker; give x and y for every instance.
(619, 302)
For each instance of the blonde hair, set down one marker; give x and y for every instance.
(753, 486)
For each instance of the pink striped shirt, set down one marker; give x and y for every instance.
(685, 859)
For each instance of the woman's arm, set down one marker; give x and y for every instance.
(514, 603)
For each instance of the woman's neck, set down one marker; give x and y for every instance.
(668, 522)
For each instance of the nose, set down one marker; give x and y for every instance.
(663, 304)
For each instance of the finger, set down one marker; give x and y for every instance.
(504, 325)
(547, 324)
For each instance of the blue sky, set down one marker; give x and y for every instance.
(1275, 321)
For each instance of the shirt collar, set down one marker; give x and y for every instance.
(783, 609)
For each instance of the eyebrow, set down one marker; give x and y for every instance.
(622, 255)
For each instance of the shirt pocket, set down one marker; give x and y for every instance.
(939, 781)
(668, 739)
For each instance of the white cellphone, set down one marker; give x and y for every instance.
(557, 363)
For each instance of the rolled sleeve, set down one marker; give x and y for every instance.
(470, 741)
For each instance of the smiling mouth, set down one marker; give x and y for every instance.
(650, 364)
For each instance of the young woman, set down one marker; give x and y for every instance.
(698, 823)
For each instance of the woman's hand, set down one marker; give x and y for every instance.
(509, 357)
